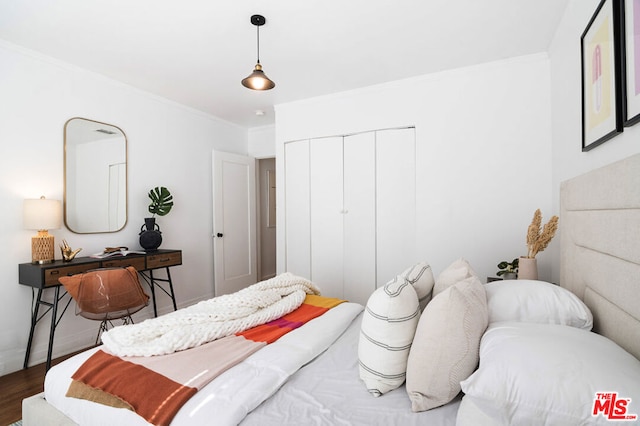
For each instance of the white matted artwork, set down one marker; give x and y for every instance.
(601, 85)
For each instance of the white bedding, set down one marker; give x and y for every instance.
(325, 391)
(328, 392)
(231, 395)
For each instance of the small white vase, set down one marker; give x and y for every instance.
(527, 268)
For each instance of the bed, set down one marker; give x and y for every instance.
(600, 266)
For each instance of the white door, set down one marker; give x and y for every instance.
(395, 202)
(234, 222)
(359, 217)
(350, 210)
(327, 215)
(297, 211)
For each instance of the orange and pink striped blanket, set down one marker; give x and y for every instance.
(156, 387)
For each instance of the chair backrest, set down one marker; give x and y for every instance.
(106, 293)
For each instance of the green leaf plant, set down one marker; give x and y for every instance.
(506, 267)
(161, 201)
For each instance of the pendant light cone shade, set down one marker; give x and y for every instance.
(258, 80)
(42, 215)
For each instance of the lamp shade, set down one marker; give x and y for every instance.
(41, 214)
(258, 80)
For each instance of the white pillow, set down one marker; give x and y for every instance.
(532, 374)
(536, 301)
(388, 324)
(421, 278)
(446, 343)
(459, 270)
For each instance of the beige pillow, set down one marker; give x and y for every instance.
(459, 270)
(446, 344)
(421, 278)
(388, 325)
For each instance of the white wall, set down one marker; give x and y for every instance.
(566, 98)
(164, 141)
(261, 141)
(484, 154)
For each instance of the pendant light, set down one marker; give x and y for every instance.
(257, 80)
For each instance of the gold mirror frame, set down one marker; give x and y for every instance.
(95, 176)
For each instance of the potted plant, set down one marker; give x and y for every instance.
(161, 204)
(538, 238)
(508, 270)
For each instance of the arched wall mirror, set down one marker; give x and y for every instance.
(95, 176)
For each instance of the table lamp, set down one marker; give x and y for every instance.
(42, 214)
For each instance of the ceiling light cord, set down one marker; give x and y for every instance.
(258, 47)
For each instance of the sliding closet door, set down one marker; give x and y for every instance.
(326, 180)
(350, 210)
(359, 217)
(396, 202)
(297, 209)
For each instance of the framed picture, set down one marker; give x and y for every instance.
(602, 107)
(631, 61)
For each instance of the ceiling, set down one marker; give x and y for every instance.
(195, 52)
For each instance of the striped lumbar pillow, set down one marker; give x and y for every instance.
(388, 325)
(421, 278)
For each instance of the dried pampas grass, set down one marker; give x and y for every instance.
(539, 238)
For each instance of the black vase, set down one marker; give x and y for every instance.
(150, 235)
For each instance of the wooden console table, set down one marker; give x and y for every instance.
(45, 276)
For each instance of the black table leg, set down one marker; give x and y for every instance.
(153, 293)
(54, 318)
(155, 281)
(34, 320)
(173, 296)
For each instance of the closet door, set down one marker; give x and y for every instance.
(297, 209)
(395, 202)
(326, 202)
(359, 217)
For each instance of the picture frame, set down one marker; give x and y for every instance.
(631, 61)
(602, 79)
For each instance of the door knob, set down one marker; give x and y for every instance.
(219, 235)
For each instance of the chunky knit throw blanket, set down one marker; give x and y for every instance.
(210, 319)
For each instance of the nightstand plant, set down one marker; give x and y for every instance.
(508, 270)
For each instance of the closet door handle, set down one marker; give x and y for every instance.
(219, 235)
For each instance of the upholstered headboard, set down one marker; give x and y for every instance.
(600, 247)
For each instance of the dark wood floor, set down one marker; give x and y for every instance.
(14, 387)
